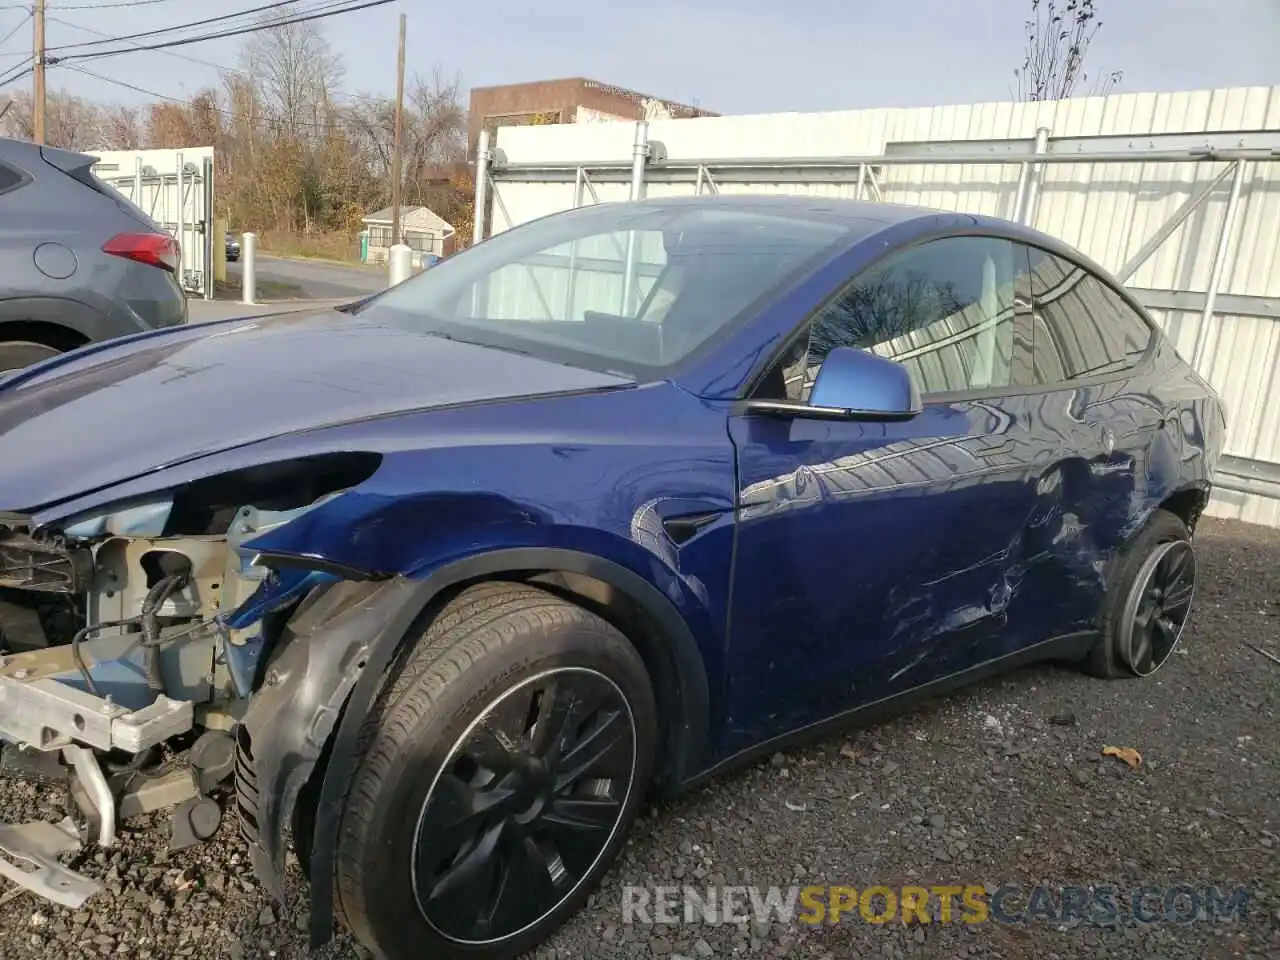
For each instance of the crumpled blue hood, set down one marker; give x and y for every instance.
(117, 411)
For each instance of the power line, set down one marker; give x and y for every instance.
(18, 72)
(108, 6)
(128, 86)
(332, 124)
(179, 26)
(257, 28)
(168, 53)
(21, 23)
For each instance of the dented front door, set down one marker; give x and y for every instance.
(875, 557)
(872, 557)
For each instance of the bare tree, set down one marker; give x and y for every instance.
(293, 155)
(297, 73)
(70, 122)
(435, 130)
(122, 128)
(1058, 36)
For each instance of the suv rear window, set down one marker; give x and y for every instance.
(79, 167)
(121, 201)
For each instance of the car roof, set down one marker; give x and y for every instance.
(866, 217)
(854, 213)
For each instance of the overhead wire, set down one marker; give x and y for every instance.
(257, 28)
(168, 53)
(21, 23)
(17, 72)
(173, 28)
(301, 14)
(319, 11)
(118, 4)
(230, 114)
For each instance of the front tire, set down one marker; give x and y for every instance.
(502, 768)
(1148, 601)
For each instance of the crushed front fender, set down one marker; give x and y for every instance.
(321, 653)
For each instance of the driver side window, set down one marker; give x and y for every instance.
(954, 311)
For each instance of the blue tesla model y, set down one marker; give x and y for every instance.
(448, 581)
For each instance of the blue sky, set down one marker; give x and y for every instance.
(733, 56)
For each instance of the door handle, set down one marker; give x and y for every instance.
(1106, 435)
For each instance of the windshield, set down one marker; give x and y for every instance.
(631, 288)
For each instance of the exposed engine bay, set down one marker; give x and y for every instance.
(130, 644)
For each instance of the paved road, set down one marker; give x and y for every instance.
(317, 280)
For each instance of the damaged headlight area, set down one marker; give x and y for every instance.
(131, 640)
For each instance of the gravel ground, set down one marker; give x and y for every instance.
(1005, 783)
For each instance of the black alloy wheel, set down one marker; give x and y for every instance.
(524, 806)
(1158, 606)
(501, 768)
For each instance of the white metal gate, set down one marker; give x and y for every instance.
(1178, 194)
(175, 188)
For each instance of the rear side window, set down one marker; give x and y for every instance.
(10, 179)
(1083, 328)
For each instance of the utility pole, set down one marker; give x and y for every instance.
(396, 176)
(37, 105)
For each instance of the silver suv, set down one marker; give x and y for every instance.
(78, 261)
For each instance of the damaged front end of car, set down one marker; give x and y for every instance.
(151, 654)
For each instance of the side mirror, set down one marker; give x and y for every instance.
(853, 384)
(868, 387)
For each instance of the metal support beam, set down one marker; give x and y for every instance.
(1034, 175)
(207, 238)
(1225, 304)
(1219, 261)
(844, 169)
(704, 176)
(1253, 486)
(1263, 470)
(482, 184)
(999, 151)
(877, 193)
(178, 231)
(1173, 223)
(639, 157)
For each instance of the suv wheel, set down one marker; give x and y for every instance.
(1148, 601)
(16, 354)
(502, 768)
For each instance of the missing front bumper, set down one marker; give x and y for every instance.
(40, 564)
(28, 858)
(39, 709)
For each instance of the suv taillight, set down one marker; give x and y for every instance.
(154, 249)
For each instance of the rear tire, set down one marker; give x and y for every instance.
(1148, 602)
(502, 767)
(16, 354)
